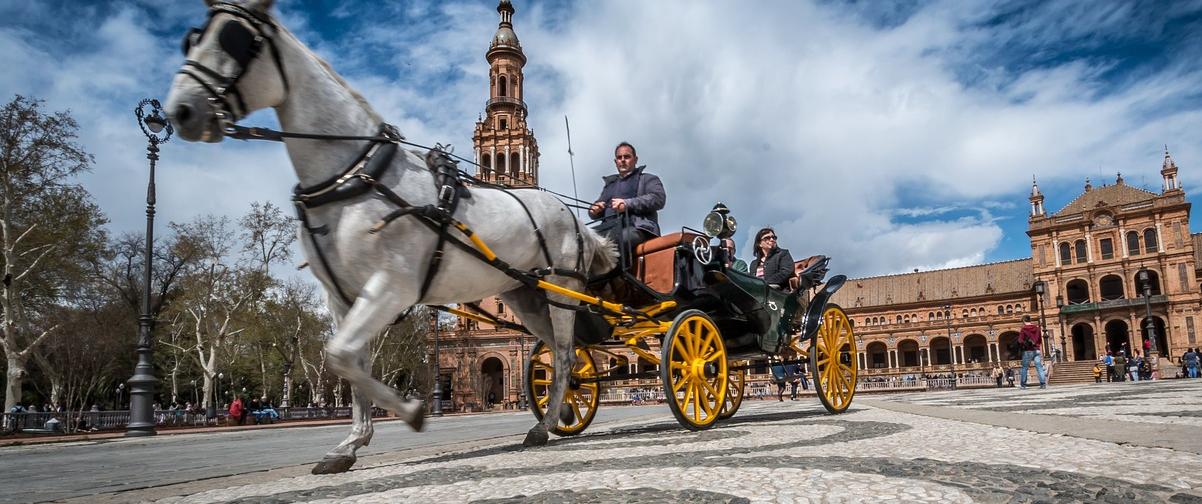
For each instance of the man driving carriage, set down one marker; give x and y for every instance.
(632, 191)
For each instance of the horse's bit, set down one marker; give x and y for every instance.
(241, 43)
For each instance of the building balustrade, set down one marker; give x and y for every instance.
(507, 100)
(1112, 303)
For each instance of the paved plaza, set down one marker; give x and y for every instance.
(1121, 442)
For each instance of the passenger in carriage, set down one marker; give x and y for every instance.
(633, 191)
(732, 261)
(772, 263)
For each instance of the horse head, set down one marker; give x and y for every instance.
(232, 68)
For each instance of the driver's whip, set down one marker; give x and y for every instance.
(572, 161)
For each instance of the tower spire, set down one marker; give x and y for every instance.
(1168, 172)
(505, 146)
(1036, 200)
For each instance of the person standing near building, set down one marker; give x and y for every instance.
(1191, 362)
(634, 192)
(998, 375)
(1030, 339)
(1120, 366)
(1109, 360)
(1097, 372)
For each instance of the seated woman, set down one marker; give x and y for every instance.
(772, 263)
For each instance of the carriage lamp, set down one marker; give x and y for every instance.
(719, 223)
(142, 384)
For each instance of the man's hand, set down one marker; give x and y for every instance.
(596, 209)
(618, 204)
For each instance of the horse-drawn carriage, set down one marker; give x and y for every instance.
(679, 307)
(379, 223)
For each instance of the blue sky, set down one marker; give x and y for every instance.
(889, 136)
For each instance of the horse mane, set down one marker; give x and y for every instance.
(333, 74)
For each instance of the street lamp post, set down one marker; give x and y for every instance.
(522, 374)
(951, 350)
(1060, 315)
(194, 398)
(436, 403)
(120, 392)
(142, 384)
(1040, 288)
(1144, 278)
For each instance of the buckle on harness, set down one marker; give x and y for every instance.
(446, 194)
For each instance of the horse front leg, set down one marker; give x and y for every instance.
(349, 355)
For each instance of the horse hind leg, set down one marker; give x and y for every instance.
(562, 321)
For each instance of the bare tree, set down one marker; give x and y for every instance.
(46, 225)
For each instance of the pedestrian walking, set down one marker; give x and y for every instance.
(1133, 367)
(1029, 339)
(1009, 376)
(1109, 360)
(779, 378)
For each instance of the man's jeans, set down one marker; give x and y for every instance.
(1193, 371)
(1028, 356)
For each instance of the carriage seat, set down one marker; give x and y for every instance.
(655, 260)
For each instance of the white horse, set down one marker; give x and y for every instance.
(244, 60)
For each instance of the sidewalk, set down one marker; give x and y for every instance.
(25, 440)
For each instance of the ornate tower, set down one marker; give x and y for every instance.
(1036, 200)
(505, 147)
(1168, 171)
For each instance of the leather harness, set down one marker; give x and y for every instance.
(363, 174)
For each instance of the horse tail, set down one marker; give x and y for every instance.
(605, 253)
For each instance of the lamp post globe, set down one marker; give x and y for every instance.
(142, 385)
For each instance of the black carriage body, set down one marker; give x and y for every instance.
(754, 318)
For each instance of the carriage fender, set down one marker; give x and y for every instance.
(813, 314)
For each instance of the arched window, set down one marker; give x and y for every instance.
(1066, 255)
(938, 315)
(1111, 287)
(1077, 291)
(503, 86)
(1018, 308)
(501, 163)
(899, 320)
(1150, 243)
(1080, 250)
(973, 312)
(965, 314)
(931, 316)
(1132, 243)
(1001, 310)
(867, 321)
(515, 164)
(906, 319)
(486, 161)
(1009, 309)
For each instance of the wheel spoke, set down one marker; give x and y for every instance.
(696, 403)
(709, 389)
(542, 401)
(680, 383)
(680, 353)
(576, 410)
(539, 381)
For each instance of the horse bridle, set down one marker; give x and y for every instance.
(242, 41)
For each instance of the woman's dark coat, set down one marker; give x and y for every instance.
(778, 268)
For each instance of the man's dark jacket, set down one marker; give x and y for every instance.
(778, 268)
(644, 206)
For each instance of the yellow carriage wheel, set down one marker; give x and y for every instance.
(735, 382)
(693, 370)
(833, 360)
(582, 396)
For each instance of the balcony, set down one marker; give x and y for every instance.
(1112, 303)
(506, 100)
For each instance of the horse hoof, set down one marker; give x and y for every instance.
(334, 465)
(417, 420)
(566, 415)
(536, 437)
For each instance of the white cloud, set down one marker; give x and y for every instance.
(812, 118)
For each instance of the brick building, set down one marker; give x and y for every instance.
(1087, 257)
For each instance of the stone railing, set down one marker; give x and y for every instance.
(114, 420)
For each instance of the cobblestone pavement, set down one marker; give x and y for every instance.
(796, 452)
